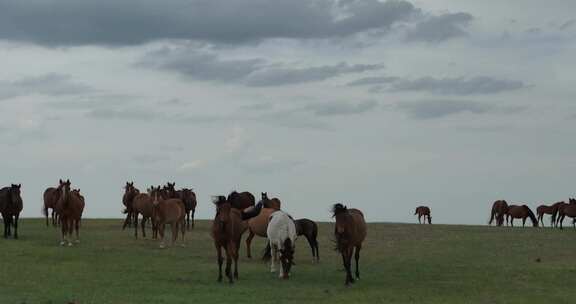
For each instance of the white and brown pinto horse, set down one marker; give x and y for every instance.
(281, 234)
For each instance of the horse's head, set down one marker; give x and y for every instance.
(572, 201)
(264, 196)
(64, 188)
(156, 195)
(223, 208)
(287, 257)
(338, 209)
(15, 193)
(170, 190)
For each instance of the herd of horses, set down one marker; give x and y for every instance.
(236, 214)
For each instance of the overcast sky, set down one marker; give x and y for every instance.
(381, 105)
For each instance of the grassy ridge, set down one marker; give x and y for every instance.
(401, 263)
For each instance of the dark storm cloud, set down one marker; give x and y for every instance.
(49, 84)
(432, 109)
(130, 22)
(440, 28)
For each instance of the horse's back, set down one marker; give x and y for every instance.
(259, 224)
(171, 210)
(142, 203)
(280, 227)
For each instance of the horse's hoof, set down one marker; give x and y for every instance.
(69, 244)
(62, 243)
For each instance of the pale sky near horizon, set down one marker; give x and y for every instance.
(381, 105)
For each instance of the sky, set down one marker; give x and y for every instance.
(380, 105)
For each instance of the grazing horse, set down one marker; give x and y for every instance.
(282, 235)
(188, 197)
(168, 211)
(70, 206)
(568, 210)
(10, 208)
(143, 204)
(515, 211)
(552, 210)
(499, 210)
(350, 232)
(51, 196)
(130, 193)
(241, 200)
(273, 203)
(227, 229)
(309, 229)
(423, 211)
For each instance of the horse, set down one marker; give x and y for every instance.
(561, 206)
(515, 211)
(70, 207)
(309, 229)
(130, 193)
(143, 204)
(188, 197)
(282, 236)
(241, 200)
(568, 210)
(273, 203)
(552, 210)
(349, 232)
(10, 208)
(51, 196)
(257, 225)
(227, 229)
(168, 211)
(423, 211)
(169, 191)
(499, 210)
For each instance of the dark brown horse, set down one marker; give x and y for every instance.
(515, 211)
(273, 203)
(350, 232)
(10, 208)
(309, 229)
(227, 229)
(51, 196)
(423, 211)
(552, 210)
(168, 211)
(169, 191)
(499, 210)
(556, 215)
(130, 193)
(70, 207)
(188, 197)
(241, 200)
(568, 210)
(143, 204)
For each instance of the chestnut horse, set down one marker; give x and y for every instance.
(51, 196)
(556, 215)
(309, 229)
(568, 210)
(425, 212)
(10, 208)
(552, 210)
(188, 197)
(515, 211)
(168, 211)
(227, 229)
(282, 235)
(130, 193)
(499, 210)
(143, 204)
(349, 232)
(273, 203)
(241, 200)
(70, 207)
(258, 225)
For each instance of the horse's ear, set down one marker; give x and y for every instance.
(19, 185)
(68, 181)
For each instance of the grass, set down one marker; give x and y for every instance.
(400, 263)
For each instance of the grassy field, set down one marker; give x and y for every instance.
(401, 263)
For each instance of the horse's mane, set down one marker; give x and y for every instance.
(338, 209)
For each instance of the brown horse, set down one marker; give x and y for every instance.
(10, 208)
(568, 210)
(168, 211)
(499, 210)
(188, 197)
(143, 204)
(241, 200)
(273, 203)
(51, 196)
(130, 193)
(350, 232)
(552, 210)
(227, 229)
(515, 211)
(309, 229)
(169, 191)
(425, 212)
(70, 207)
(258, 225)
(561, 206)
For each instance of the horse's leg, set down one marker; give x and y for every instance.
(273, 258)
(357, 257)
(161, 233)
(174, 230)
(188, 219)
(5, 226)
(220, 260)
(248, 242)
(127, 220)
(523, 221)
(419, 222)
(561, 219)
(229, 262)
(236, 254)
(63, 230)
(77, 227)
(16, 216)
(8, 221)
(193, 211)
(136, 225)
(311, 243)
(511, 221)
(317, 250)
(143, 225)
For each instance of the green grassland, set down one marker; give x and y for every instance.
(400, 263)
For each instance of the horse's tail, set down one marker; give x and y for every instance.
(492, 215)
(532, 216)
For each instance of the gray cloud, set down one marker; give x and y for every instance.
(568, 24)
(372, 80)
(49, 84)
(439, 28)
(149, 115)
(341, 108)
(432, 109)
(129, 22)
